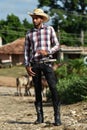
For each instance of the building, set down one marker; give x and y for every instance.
(70, 52)
(14, 52)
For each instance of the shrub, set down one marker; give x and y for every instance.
(72, 82)
(73, 89)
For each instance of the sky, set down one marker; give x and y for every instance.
(18, 8)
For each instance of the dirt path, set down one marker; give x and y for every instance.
(18, 113)
(7, 81)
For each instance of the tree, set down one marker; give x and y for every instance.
(27, 25)
(69, 15)
(13, 22)
(12, 28)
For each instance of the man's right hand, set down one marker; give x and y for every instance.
(29, 71)
(43, 52)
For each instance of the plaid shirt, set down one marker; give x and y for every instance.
(39, 39)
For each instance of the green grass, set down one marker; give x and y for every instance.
(13, 71)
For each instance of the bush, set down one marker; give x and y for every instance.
(72, 82)
(73, 89)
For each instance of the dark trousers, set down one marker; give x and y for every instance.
(51, 79)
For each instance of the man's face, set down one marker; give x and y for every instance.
(37, 21)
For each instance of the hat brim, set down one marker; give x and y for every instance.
(43, 15)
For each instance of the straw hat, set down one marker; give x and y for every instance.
(40, 12)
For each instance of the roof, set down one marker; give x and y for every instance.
(71, 49)
(15, 47)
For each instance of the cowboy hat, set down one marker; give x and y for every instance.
(40, 12)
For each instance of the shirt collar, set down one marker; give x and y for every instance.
(43, 26)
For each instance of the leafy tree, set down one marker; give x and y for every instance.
(12, 28)
(13, 22)
(27, 25)
(69, 15)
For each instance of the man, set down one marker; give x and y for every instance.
(40, 42)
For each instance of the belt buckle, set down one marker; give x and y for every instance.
(41, 62)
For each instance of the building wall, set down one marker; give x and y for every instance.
(0, 41)
(4, 57)
(17, 59)
(14, 58)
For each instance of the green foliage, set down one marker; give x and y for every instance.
(70, 16)
(61, 72)
(72, 81)
(26, 24)
(70, 67)
(12, 28)
(73, 89)
(13, 21)
(75, 66)
(69, 39)
(44, 2)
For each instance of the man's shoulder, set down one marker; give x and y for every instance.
(30, 30)
(48, 26)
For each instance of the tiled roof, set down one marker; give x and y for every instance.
(15, 47)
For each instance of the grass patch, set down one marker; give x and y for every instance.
(13, 71)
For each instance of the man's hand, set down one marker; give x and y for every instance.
(29, 71)
(43, 52)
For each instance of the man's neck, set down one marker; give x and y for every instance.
(39, 26)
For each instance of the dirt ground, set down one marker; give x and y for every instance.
(18, 113)
(7, 81)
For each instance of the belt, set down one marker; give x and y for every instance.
(44, 61)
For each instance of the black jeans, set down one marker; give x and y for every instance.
(49, 74)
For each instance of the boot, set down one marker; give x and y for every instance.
(57, 120)
(39, 111)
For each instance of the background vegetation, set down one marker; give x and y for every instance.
(72, 81)
(12, 28)
(69, 18)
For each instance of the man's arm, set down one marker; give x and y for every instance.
(54, 41)
(27, 51)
